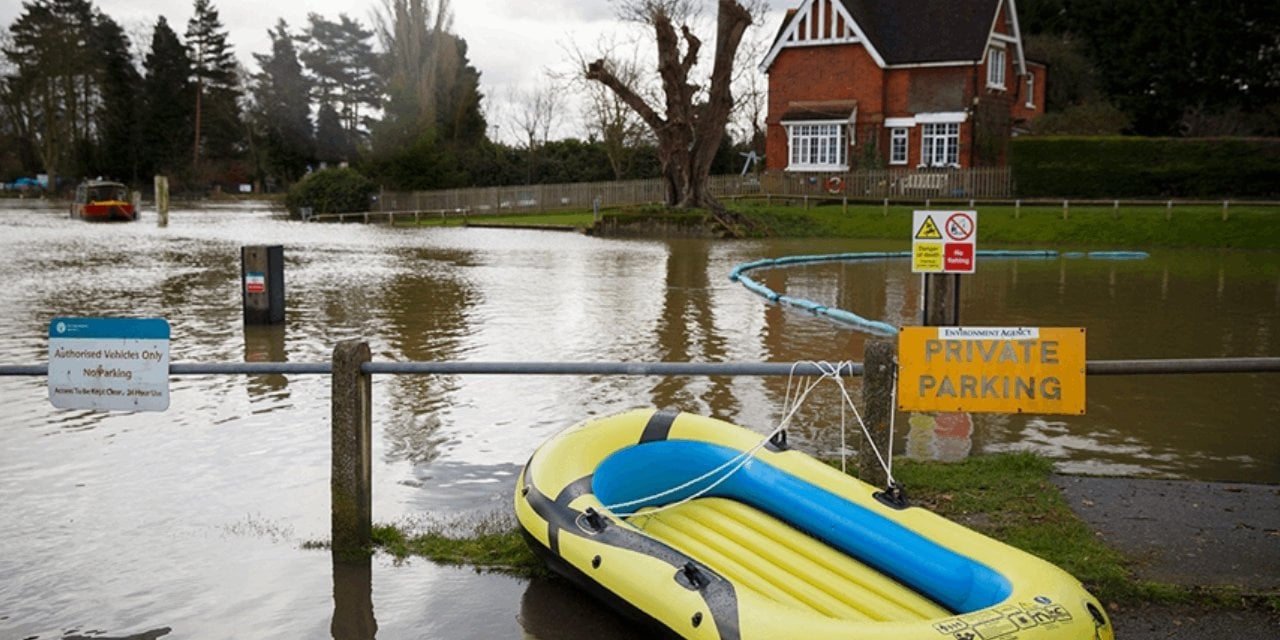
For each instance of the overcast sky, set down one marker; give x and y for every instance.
(511, 42)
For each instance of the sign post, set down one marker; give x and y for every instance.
(943, 246)
(112, 364)
(992, 369)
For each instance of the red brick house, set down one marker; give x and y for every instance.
(898, 84)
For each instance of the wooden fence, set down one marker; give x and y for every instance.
(859, 185)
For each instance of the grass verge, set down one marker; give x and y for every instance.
(1247, 226)
(1010, 497)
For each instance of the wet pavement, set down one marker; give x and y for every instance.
(1198, 534)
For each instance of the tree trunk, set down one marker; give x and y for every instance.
(688, 132)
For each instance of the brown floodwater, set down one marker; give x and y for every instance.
(191, 523)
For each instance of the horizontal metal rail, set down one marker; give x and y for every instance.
(807, 368)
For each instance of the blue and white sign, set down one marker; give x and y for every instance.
(111, 364)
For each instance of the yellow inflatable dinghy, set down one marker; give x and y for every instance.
(686, 522)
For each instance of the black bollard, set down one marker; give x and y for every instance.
(262, 284)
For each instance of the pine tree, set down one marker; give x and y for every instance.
(281, 92)
(219, 132)
(341, 63)
(168, 104)
(53, 91)
(118, 115)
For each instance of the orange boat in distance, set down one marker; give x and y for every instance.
(103, 201)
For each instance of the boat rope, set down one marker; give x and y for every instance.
(726, 469)
(794, 397)
(885, 458)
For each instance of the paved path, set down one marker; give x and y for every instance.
(1188, 533)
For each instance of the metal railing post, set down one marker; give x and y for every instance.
(877, 408)
(351, 480)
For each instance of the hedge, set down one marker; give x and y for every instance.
(331, 191)
(1132, 167)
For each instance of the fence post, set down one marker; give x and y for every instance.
(1017, 209)
(162, 200)
(1065, 210)
(878, 372)
(351, 463)
(1225, 205)
(1168, 210)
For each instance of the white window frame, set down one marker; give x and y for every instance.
(817, 145)
(940, 144)
(899, 141)
(996, 63)
(1031, 91)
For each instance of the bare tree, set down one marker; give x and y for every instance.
(533, 114)
(690, 123)
(606, 117)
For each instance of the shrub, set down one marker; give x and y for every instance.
(331, 191)
(1132, 167)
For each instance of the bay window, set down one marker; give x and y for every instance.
(817, 146)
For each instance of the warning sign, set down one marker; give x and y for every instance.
(928, 230)
(944, 241)
(927, 258)
(960, 226)
(255, 283)
(992, 369)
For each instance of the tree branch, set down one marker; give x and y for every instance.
(600, 72)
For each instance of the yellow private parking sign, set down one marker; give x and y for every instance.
(992, 369)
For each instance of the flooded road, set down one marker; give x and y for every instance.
(193, 520)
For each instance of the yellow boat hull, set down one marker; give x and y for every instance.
(774, 544)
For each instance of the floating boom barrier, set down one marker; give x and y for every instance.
(876, 327)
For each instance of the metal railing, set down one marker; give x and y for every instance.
(1092, 367)
(351, 370)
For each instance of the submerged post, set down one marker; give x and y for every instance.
(162, 200)
(262, 284)
(878, 373)
(351, 479)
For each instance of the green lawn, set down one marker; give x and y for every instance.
(1247, 226)
(1130, 226)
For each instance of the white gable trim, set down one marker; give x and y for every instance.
(1020, 59)
(813, 16)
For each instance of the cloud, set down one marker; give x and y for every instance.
(557, 11)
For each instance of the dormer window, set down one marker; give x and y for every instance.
(995, 67)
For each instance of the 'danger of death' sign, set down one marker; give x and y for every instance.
(992, 369)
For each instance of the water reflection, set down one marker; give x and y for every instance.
(353, 617)
(553, 609)
(686, 332)
(265, 343)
